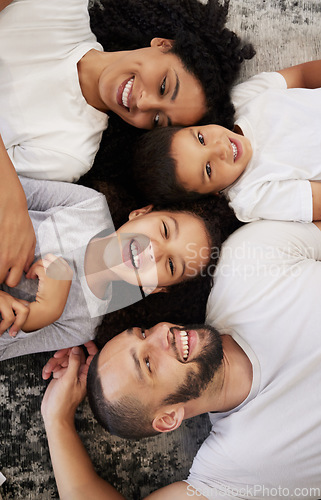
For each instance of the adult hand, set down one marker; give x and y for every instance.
(57, 365)
(18, 240)
(64, 394)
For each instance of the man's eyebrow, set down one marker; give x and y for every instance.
(139, 370)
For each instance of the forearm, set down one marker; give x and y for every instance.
(306, 75)
(10, 186)
(39, 317)
(316, 200)
(4, 3)
(75, 476)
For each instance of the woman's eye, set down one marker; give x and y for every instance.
(148, 364)
(163, 87)
(208, 169)
(201, 138)
(156, 120)
(171, 266)
(165, 230)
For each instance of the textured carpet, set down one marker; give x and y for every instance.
(284, 32)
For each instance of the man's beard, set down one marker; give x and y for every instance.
(207, 363)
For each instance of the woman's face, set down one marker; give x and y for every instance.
(149, 88)
(209, 158)
(160, 248)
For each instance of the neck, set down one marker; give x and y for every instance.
(90, 68)
(231, 383)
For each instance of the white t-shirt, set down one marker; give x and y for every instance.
(283, 126)
(49, 130)
(266, 295)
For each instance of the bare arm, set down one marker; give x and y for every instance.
(17, 243)
(55, 277)
(306, 75)
(316, 200)
(4, 3)
(75, 476)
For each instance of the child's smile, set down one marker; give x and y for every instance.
(209, 158)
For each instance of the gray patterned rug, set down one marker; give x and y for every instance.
(284, 32)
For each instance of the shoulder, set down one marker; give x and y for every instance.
(257, 84)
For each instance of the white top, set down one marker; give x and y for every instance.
(266, 294)
(283, 126)
(48, 128)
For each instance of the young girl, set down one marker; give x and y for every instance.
(152, 251)
(268, 167)
(58, 87)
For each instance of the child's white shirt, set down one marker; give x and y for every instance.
(284, 128)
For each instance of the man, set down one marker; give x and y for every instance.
(262, 388)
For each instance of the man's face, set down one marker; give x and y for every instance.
(153, 364)
(150, 88)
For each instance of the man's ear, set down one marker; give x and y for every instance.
(169, 419)
(164, 44)
(140, 211)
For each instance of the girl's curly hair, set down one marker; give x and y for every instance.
(207, 49)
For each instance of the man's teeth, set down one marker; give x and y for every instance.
(126, 91)
(184, 340)
(134, 251)
(234, 150)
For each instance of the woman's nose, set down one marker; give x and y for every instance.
(147, 102)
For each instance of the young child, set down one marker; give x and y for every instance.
(152, 250)
(269, 167)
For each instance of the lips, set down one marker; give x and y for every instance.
(186, 342)
(132, 254)
(124, 93)
(237, 149)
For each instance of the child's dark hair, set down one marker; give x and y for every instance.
(154, 169)
(207, 49)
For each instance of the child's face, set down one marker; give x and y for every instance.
(164, 248)
(209, 158)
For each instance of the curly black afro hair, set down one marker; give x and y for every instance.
(208, 50)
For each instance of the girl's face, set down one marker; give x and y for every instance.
(149, 87)
(209, 158)
(162, 248)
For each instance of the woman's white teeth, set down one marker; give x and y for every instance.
(234, 150)
(134, 252)
(184, 340)
(126, 91)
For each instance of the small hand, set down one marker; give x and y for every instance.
(14, 313)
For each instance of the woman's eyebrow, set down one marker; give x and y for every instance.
(176, 89)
